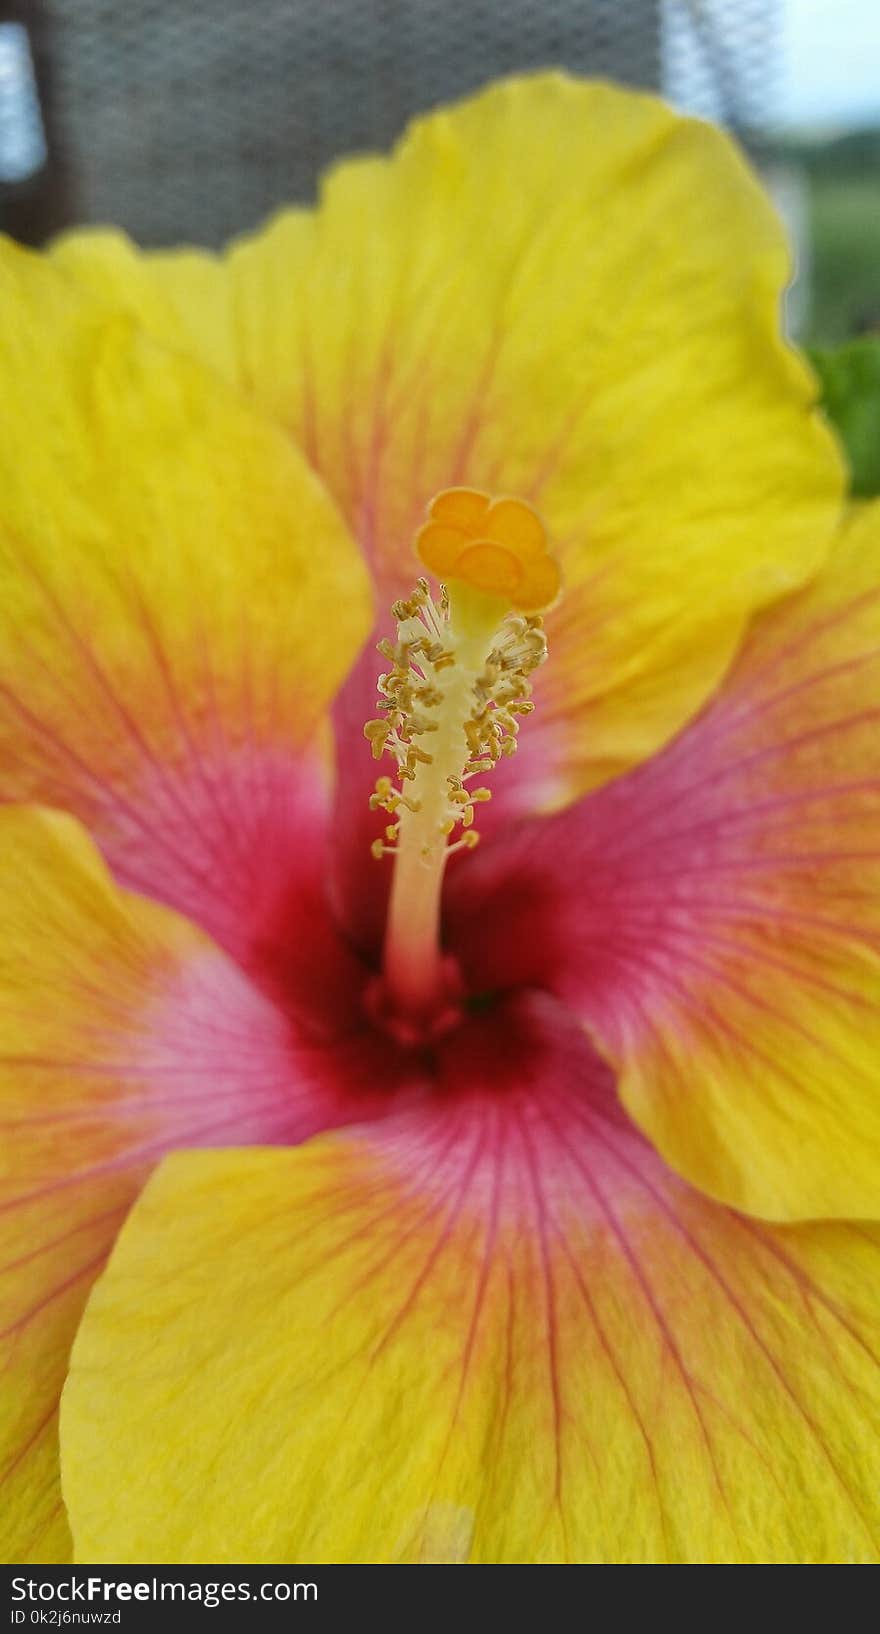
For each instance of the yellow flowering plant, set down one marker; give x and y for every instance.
(368, 1193)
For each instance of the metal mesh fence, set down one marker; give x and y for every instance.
(720, 60)
(192, 120)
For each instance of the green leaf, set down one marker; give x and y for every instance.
(850, 379)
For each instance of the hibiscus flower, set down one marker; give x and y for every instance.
(403, 1200)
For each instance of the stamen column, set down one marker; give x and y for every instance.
(413, 958)
(458, 681)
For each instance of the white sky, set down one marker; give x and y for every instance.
(829, 63)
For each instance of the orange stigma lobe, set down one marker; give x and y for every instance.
(497, 546)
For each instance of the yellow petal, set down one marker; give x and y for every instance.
(714, 916)
(179, 599)
(758, 1078)
(494, 1329)
(560, 291)
(112, 1051)
(181, 296)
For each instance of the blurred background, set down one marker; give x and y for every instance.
(190, 120)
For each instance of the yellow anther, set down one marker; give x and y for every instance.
(377, 733)
(422, 723)
(386, 796)
(469, 840)
(428, 696)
